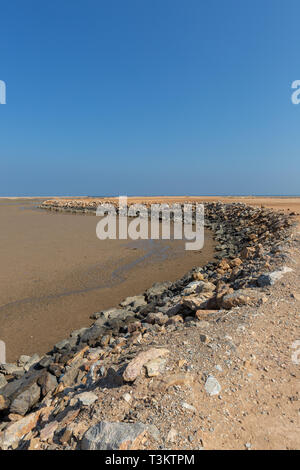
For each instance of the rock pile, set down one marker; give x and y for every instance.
(40, 397)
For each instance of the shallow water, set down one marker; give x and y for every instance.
(55, 272)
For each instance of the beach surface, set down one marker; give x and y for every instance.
(55, 273)
(221, 378)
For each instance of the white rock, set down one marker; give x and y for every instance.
(127, 397)
(188, 407)
(172, 435)
(212, 386)
(86, 398)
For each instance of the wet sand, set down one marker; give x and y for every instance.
(54, 272)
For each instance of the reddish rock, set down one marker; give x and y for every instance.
(235, 262)
(134, 367)
(48, 431)
(17, 430)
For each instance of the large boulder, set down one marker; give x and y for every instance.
(113, 436)
(134, 367)
(26, 400)
(241, 297)
(10, 437)
(16, 392)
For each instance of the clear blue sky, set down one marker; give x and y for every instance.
(149, 97)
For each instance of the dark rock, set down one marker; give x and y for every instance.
(158, 289)
(47, 382)
(26, 400)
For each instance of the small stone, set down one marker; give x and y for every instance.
(171, 436)
(134, 326)
(235, 299)
(105, 340)
(247, 252)
(48, 431)
(155, 367)
(196, 302)
(48, 383)
(188, 407)
(153, 431)
(95, 353)
(4, 403)
(14, 417)
(181, 363)
(236, 262)
(23, 359)
(3, 381)
(157, 318)
(31, 362)
(204, 338)
(134, 303)
(46, 361)
(61, 344)
(212, 386)
(127, 397)
(173, 320)
(198, 277)
(34, 444)
(86, 398)
(177, 379)
(197, 287)
(65, 438)
(25, 400)
(11, 369)
(200, 314)
(71, 376)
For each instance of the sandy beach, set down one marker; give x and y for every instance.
(207, 361)
(55, 273)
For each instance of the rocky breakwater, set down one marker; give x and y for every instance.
(45, 401)
(74, 205)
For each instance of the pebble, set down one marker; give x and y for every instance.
(86, 398)
(188, 407)
(212, 386)
(127, 397)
